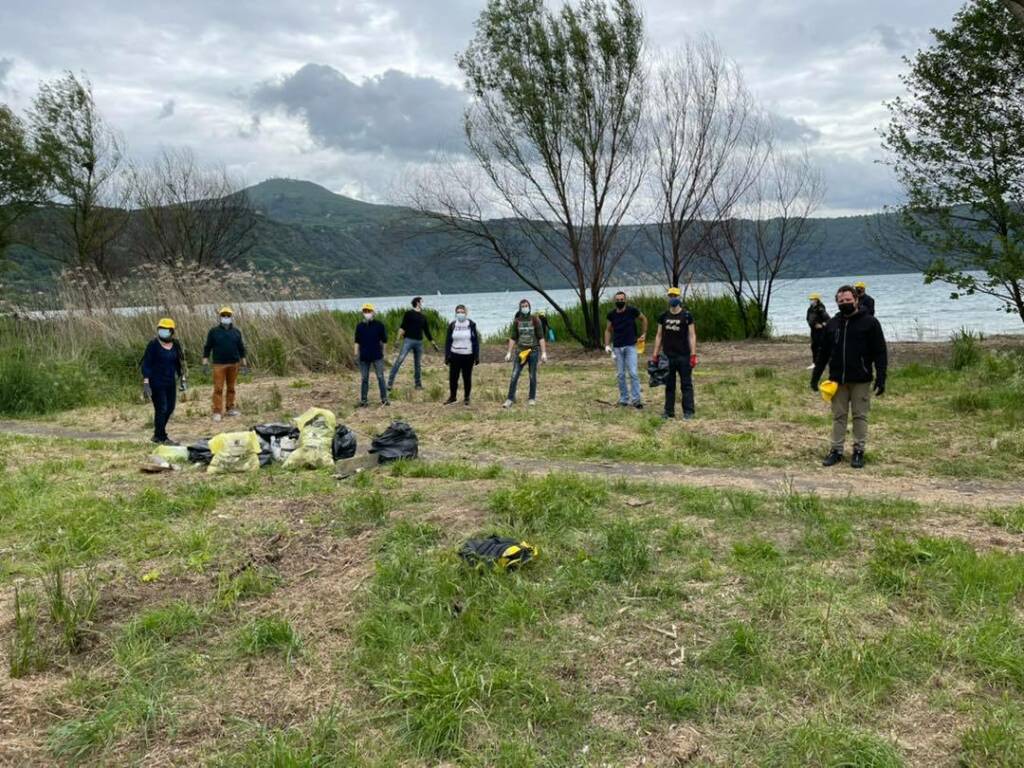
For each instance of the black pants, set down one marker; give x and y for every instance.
(460, 365)
(679, 366)
(164, 400)
(817, 340)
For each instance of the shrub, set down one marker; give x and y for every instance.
(966, 350)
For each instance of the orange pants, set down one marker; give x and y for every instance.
(226, 374)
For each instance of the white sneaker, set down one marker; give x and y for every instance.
(216, 417)
(810, 367)
(531, 402)
(507, 404)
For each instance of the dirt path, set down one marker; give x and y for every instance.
(832, 483)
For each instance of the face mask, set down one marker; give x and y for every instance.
(620, 304)
(675, 301)
(164, 333)
(847, 309)
(368, 316)
(524, 310)
(460, 316)
(225, 321)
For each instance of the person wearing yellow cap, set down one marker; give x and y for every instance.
(526, 339)
(163, 363)
(224, 345)
(371, 336)
(864, 301)
(855, 352)
(677, 338)
(817, 319)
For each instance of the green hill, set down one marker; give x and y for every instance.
(346, 247)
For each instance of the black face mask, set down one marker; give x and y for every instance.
(620, 304)
(847, 309)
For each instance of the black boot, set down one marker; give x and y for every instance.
(833, 458)
(857, 460)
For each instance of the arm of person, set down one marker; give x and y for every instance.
(208, 347)
(475, 337)
(608, 334)
(657, 344)
(881, 356)
(693, 339)
(448, 342)
(824, 353)
(147, 363)
(643, 326)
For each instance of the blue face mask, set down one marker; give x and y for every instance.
(675, 301)
(164, 333)
(460, 316)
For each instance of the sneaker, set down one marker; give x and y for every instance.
(508, 404)
(833, 458)
(362, 404)
(810, 367)
(217, 417)
(638, 405)
(531, 402)
(450, 401)
(466, 402)
(385, 402)
(857, 459)
(687, 416)
(234, 412)
(666, 416)
(156, 440)
(621, 404)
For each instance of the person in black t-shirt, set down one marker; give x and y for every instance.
(411, 332)
(621, 342)
(677, 338)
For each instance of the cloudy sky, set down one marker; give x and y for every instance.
(351, 92)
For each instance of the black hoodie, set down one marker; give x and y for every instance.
(852, 347)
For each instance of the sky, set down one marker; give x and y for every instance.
(352, 94)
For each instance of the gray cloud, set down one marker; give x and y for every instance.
(166, 110)
(792, 130)
(6, 65)
(392, 112)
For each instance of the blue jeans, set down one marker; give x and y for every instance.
(416, 345)
(164, 400)
(625, 363)
(517, 368)
(378, 368)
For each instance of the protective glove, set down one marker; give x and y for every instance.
(183, 384)
(608, 349)
(544, 357)
(508, 357)
(147, 392)
(693, 361)
(814, 383)
(880, 387)
(655, 358)
(477, 361)
(206, 368)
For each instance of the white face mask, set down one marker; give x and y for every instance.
(525, 310)
(164, 333)
(368, 316)
(460, 316)
(225, 321)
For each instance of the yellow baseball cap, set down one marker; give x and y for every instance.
(367, 308)
(166, 322)
(674, 291)
(225, 311)
(859, 284)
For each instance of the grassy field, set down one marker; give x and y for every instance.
(291, 619)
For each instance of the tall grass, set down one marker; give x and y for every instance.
(716, 317)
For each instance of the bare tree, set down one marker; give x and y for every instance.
(85, 161)
(750, 255)
(189, 216)
(555, 129)
(706, 135)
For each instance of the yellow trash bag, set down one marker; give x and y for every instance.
(172, 454)
(524, 355)
(828, 390)
(234, 452)
(316, 431)
(641, 346)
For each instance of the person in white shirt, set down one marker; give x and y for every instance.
(461, 353)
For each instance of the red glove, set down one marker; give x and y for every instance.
(693, 361)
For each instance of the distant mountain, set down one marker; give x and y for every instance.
(346, 247)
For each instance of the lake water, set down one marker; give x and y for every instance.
(908, 309)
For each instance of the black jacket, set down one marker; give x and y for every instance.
(472, 334)
(867, 304)
(225, 344)
(852, 348)
(816, 313)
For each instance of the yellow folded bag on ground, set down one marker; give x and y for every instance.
(828, 390)
(234, 452)
(316, 431)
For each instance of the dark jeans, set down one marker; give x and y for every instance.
(460, 365)
(164, 400)
(817, 340)
(517, 368)
(416, 345)
(378, 368)
(679, 366)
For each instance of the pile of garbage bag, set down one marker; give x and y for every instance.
(316, 435)
(398, 441)
(657, 372)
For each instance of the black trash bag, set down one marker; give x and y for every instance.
(398, 441)
(199, 452)
(658, 372)
(266, 457)
(343, 446)
(267, 431)
(501, 553)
